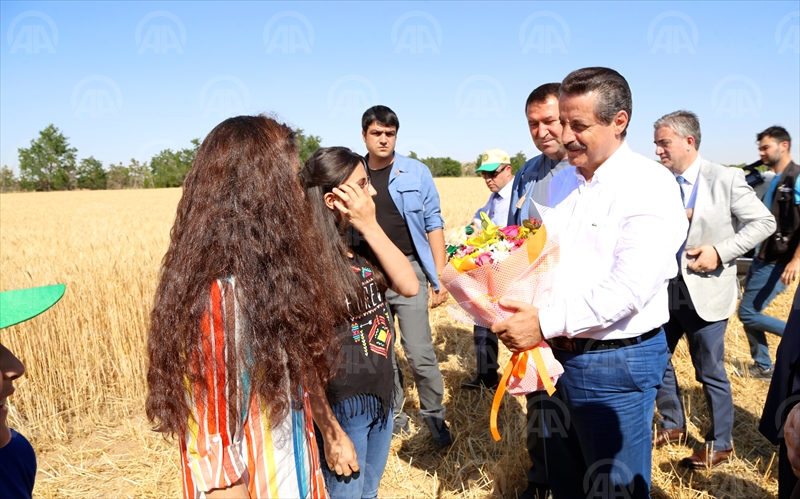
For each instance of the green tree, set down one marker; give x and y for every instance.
(117, 176)
(169, 168)
(8, 181)
(443, 167)
(306, 145)
(90, 174)
(139, 175)
(517, 161)
(49, 163)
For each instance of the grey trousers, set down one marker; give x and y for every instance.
(415, 336)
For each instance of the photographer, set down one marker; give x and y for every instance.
(777, 260)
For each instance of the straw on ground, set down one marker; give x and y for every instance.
(81, 403)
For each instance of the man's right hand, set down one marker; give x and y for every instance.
(791, 271)
(521, 331)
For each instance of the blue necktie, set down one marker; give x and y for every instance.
(681, 183)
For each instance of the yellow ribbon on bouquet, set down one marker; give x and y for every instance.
(518, 366)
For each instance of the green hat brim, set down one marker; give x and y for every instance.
(488, 167)
(20, 305)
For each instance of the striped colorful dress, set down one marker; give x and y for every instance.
(223, 443)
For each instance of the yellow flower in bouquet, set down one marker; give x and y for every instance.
(490, 265)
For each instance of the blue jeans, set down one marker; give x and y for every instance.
(371, 436)
(761, 286)
(599, 420)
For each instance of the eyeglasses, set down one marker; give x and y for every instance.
(490, 175)
(364, 183)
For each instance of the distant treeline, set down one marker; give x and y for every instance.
(51, 164)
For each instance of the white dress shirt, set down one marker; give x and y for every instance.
(618, 235)
(690, 182)
(497, 206)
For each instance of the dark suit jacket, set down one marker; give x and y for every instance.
(784, 390)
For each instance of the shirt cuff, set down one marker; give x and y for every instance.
(552, 321)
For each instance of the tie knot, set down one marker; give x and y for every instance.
(681, 180)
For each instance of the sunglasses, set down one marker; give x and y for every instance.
(490, 175)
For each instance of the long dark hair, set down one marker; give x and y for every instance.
(242, 215)
(327, 168)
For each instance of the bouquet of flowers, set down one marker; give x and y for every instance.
(516, 262)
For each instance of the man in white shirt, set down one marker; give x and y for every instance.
(496, 172)
(703, 296)
(620, 222)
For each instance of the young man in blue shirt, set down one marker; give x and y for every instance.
(407, 209)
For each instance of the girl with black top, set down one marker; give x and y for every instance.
(354, 413)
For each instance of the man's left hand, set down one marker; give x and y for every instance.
(706, 259)
(791, 271)
(521, 331)
(436, 298)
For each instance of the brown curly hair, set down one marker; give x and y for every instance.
(242, 215)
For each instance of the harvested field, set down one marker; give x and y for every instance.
(81, 403)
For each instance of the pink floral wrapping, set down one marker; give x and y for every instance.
(478, 292)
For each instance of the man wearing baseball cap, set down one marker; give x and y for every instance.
(17, 459)
(496, 172)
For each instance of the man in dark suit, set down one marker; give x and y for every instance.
(784, 393)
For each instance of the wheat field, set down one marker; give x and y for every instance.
(81, 402)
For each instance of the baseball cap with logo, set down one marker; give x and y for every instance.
(20, 305)
(491, 159)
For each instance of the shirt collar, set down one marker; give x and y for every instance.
(505, 191)
(609, 167)
(691, 173)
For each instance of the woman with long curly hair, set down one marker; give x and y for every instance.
(242, 325)
(355, 412)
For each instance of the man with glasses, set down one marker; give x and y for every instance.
(496, 172)
(407, 209)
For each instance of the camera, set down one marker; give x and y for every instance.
(752, 175)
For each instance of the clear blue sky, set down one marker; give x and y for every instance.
(125, 80)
